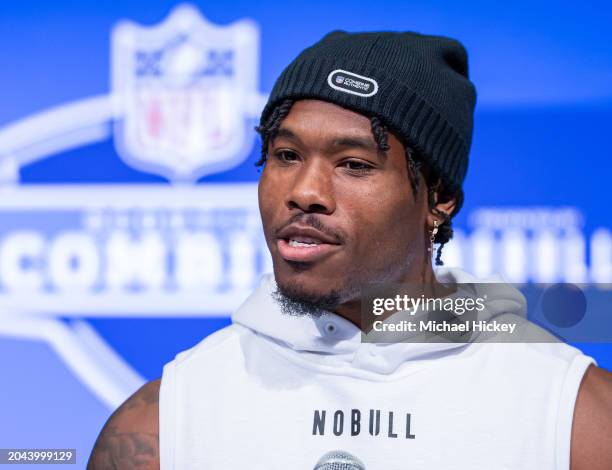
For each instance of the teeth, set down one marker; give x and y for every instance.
(296, 243)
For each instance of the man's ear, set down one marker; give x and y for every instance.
(447, 207)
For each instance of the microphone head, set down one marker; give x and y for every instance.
(339, 460)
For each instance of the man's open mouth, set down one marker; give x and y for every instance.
(304, 244)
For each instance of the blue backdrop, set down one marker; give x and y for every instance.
(128, 233)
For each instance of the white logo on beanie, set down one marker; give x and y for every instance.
(349, 82)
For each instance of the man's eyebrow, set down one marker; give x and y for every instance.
(356, 142)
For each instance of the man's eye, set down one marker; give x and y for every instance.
(357, 166)
(286, 156)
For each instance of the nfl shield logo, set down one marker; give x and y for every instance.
(186, 91)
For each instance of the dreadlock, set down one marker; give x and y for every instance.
(269, 129)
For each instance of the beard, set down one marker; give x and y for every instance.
(295, 301)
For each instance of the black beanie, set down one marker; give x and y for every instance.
(416, 84)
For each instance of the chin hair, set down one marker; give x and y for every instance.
(294, 300)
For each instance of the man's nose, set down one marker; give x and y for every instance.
(312, 189)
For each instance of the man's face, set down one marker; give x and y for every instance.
(337, 213)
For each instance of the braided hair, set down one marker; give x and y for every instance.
(269, 129)
(416, 168)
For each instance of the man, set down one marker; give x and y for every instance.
(365, 145)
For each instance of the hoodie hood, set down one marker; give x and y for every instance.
(332, 335)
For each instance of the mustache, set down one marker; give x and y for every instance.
(313, 221)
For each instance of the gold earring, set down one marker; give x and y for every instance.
(432, 235)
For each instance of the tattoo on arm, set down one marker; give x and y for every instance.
(125, 450)
(130, 440)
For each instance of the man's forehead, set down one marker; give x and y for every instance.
(328, 121)
(323, 111)
(334, 138)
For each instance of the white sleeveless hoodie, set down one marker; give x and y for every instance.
(275, 392)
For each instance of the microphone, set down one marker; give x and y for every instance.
(339, 460)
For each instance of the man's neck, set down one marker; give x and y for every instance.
(351, 310)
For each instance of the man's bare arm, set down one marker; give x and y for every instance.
(592, 428)
(130, 437)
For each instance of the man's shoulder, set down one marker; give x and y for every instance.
(130, 437)
(592, 427)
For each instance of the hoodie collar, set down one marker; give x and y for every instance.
(331, 334)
